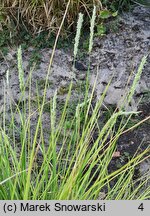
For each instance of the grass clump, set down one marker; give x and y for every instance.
(79, 168)
(36, 23)
(37, 16)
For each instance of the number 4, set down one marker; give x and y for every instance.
(141, 207)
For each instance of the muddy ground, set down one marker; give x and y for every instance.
(116, 55)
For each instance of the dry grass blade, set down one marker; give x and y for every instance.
(37, 16)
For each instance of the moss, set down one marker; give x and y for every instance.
(41, 83)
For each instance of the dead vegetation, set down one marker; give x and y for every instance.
(36, 15)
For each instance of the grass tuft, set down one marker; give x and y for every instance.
(73, 163)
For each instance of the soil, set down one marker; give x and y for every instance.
(116, 55)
